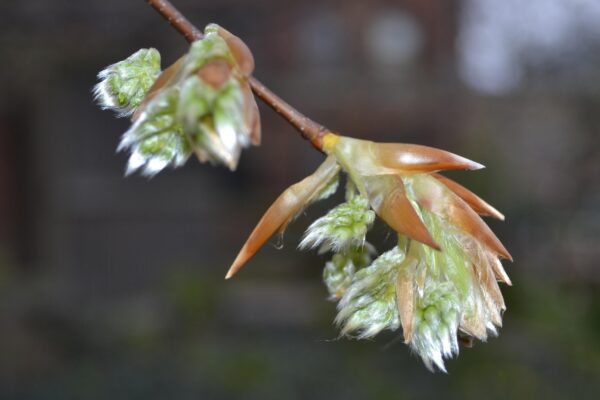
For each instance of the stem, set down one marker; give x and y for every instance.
(309, 129)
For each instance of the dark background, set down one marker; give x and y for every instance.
(112, 287)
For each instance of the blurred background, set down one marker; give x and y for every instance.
(112, 287)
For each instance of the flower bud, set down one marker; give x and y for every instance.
(156, 139)
(338, 272)
(369, 304)
(344, 226)
(217, 110)
(124, 85)
(213, 120)
(435, 324)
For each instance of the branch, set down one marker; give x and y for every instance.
(309, 129)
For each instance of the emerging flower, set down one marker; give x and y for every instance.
(344, 226)
(439, 282)
(124, 85)
(338, 273)
(202, 104)
(368, 305)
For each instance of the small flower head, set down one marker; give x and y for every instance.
(156, 140)
(435, 324)
(124, 85)
(213, 120)
(368, 306)
(339, 272)
(344, 226)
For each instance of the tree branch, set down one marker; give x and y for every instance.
(309, 129)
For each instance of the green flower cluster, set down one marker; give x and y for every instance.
(200, 105)
(338, 272)
(342, 231)
(435, 322)
(157, 140)
(369, 304)
(344, 226)
(124, 85)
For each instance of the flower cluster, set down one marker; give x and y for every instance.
(438, 283)
(202, 104)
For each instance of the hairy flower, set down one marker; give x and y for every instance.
(344, 226)
(368, 306)
(435, 324)
(157, 140)
(338, 273)
(124, 85)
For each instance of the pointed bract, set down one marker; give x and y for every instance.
(388, 198)
(405, 302)
(417, 158)
(478, 205)
(499, 271)
(251, 115)
(283, 210)
(435, 197)
(242, 54)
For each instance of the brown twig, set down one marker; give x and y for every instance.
(309, 129)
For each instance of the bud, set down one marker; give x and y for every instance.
(338, 273)
(369, 304)
(211, 120)
(344, 226)
(156, 139)
(435, 324)
(124, 85)
(216, 109)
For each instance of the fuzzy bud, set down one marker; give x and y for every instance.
(156, 139)
(124, 85)
(338, 272)
(435, 324)
(344, 226)
(369, 304)
(213, 120)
